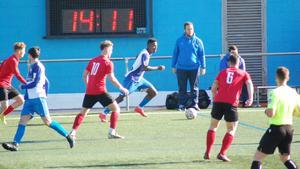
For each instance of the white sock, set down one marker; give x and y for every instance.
(112, 131)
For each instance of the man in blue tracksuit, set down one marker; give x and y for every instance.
(188, 62)
(233, 50)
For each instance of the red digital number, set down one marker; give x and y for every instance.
(114, 21)
(130, 21)
(89, 20)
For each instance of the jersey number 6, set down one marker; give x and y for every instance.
(229, 78)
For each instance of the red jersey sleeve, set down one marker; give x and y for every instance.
(17, 72)
(89, 66)
(110, 68)
(247, 76)
(219, 76)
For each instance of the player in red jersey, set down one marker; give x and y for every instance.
(94, 77)
(226, 91)
(8, 69)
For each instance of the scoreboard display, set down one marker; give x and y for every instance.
(99, 18)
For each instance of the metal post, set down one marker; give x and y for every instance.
(257, 97)
(127, 97)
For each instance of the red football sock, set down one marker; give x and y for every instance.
(227, 140)
(113, 120)
(210, 140)
(78, 120)
(8, 110)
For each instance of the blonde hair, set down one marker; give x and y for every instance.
(105, 44)
(19, 46)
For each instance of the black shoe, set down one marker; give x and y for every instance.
(10, 146)
(70, 141)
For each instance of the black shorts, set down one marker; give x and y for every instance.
(277, 136)
(90, 100)
(8, 93)
(224, 109)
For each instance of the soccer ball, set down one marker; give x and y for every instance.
(297, 111)
(191, 113)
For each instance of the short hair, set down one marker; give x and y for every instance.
(151, 40)
(232, 47)
(35, 52)
(233, 59)
(105, 44)
(282, 73)
(186, 24)
(19, 46)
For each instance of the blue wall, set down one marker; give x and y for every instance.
(283, 35)
(168, 18)
(25, 21)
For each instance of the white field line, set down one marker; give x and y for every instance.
(134, 114)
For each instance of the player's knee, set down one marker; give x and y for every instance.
(47, 122)
(20, 100)
(152, 92)
(284, 157)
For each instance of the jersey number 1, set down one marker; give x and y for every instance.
(229, 78)
(95, 68)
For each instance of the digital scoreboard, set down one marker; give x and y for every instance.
(96, 18)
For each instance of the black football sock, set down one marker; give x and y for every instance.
(290, 164)
(256, 165)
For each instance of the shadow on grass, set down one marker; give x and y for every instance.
(129, 164)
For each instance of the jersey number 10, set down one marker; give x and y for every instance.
(229, 78)
(95, 68)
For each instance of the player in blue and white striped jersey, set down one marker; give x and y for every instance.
(35, 101)
(134, 80)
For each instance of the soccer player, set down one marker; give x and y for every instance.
(281, 105)
(233, 50)
(35, 101)
(134, 80)
(95, 79)
(8, 69)
(226, 91)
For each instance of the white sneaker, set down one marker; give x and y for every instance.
(73, 135)
(115, 136)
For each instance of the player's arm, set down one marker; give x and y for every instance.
(115, 82)
(250, 90)
(214, 88)
(36, 78)
(175, 57)
(85, 76)
(272, 102)
(17, 73)
(151, 68)
(202, 59)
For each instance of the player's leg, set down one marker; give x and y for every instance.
(257, 159)
(130, 86)
(7, 94)
(106, 100)
(4, 106)
(88, 102)
(182, 86)
(231, 118)
(18, 100)
(216, 116)
(227, 140)
(106, 110)
(193, 77)
(26, 115)
(151, 93)
(267, 145)
(285, 148)
(42, 109)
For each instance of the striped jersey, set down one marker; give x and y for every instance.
(137, 71)
(37, 82)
